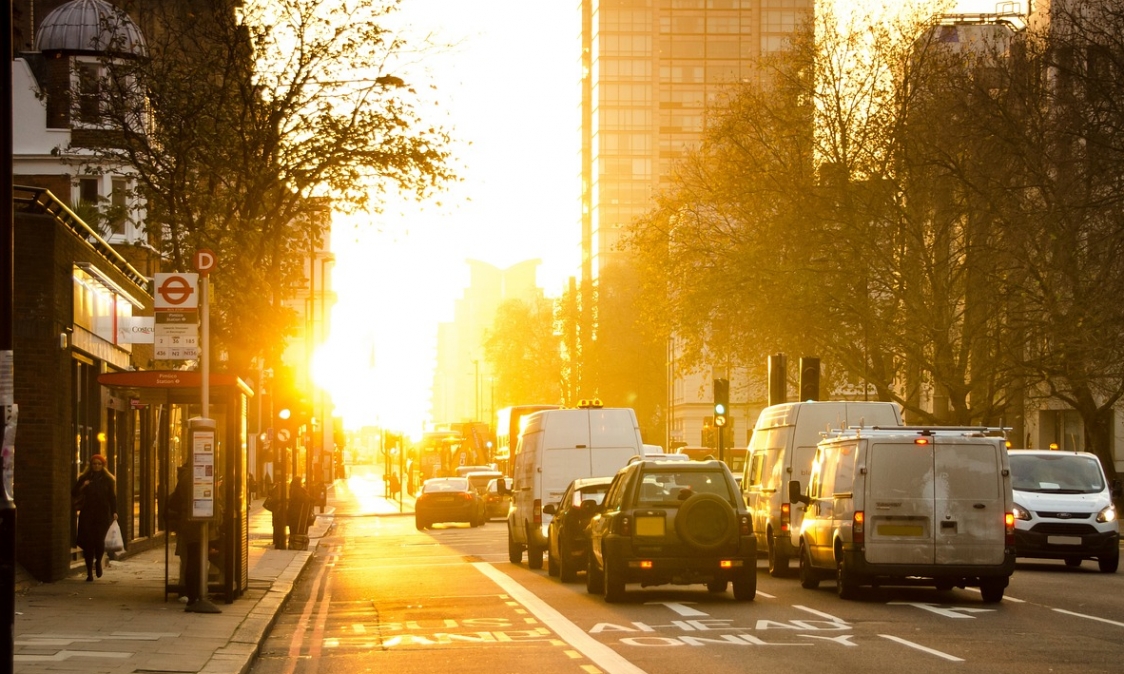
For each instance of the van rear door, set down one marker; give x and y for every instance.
(899, 503)
(970, 504)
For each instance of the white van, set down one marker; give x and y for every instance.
(555, 448)
(781, 449)
(1063, 508)
(909, 506)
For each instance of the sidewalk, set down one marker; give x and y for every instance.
(120, 623)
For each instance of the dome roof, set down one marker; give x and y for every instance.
(89, 26)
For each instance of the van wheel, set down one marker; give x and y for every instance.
(778, 561)
(594, 581)
(745, 584)
(514, 549)
(992, 590)
(846, 582)
(613, 580)
(717, 586)
(1073, 562)
(1109, 563)
(809, 579)
(945, 584)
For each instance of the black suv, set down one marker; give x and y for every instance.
(665, 522)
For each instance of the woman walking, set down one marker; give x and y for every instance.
(95, 497)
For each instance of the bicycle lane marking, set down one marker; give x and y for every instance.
(604, 657)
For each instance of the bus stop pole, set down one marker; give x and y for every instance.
(203, 604)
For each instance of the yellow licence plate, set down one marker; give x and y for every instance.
(650, 526)
(901, 530)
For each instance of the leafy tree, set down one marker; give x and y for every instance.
(245, 124)
(524, 353)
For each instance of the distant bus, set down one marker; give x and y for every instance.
(509, 421)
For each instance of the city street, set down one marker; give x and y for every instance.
(381, 596)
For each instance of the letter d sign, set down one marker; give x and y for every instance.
(205, 260)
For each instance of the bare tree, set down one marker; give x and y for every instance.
(245, 124)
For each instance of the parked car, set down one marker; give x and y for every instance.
(672, 522)
(497, 502)
(448, 499)
(568, 532)
(1063, 508)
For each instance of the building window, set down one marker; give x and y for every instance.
(119, 210)
(88, 191)
(89, 93)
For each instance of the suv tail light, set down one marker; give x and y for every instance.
(625, 526)
(1009, 529)
(744, 526)
(786, 516)
(858, 528)
(536, 512)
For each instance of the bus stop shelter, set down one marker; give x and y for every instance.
(169, 399)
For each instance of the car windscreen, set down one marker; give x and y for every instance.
(670, 487)
(1061, 473)
(445, 486)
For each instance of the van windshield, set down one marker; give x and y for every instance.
(1061, 474)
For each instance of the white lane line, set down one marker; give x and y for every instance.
(931, 651)
(604, 657)
(825, 616)
(1088, 617)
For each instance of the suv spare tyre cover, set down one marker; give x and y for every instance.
(706, 522)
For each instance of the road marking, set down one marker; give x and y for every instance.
(950, 612)
(826, 616)
(1088, 617)
(62, 656)
(925, 649)
(679, 607)
(604, 657)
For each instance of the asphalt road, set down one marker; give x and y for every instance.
(382, 596)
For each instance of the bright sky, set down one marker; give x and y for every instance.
(509, 87)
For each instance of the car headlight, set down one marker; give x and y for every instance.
(1108, 514)
(1021, 513)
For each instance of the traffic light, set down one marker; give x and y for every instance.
(809, 378)
(721, 402)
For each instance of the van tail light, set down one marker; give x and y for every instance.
(786, 516)
(858, 528)
(536, 512)
(625, 526)
(1009, 527)
(744, 526)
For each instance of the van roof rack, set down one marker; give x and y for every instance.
(964, 431)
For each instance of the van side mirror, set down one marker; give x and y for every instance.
(1117, 489)
(794, 494)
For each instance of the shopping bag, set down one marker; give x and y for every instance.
(113, 540)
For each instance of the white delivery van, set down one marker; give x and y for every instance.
(781, 449)
(555, 448)
(908, 506)
(1063, 508)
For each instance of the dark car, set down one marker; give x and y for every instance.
(568, 531)
(497, 502)
(677, 523)
(448, 499)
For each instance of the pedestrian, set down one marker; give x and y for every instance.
(266, 487)
(251, 485)
(189, 534)
(95, 498)
(395, 485)
(299, 512)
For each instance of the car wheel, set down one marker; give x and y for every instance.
(847, 583)
(745, 584)
(1109, 563)
(778, 561)
(991, 590)
(473, 522)
(809, 579)
(613, 581)
(419, 523)
(534, 553)
(594, 580)
(514, 549)
(551, 563)
(706, 522)
(717, 586)
(566, 571)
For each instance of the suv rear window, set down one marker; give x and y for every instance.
(663, 487)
